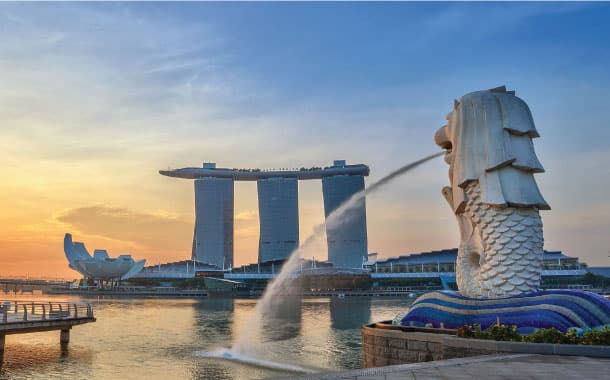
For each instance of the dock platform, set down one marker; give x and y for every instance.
(22, 317)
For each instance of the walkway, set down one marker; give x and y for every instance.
(521, 366)
(21, 317)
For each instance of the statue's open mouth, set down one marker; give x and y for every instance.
(442, 139)
(448, 147)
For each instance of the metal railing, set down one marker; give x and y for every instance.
(18, 311)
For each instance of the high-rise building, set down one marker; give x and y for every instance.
(347, 239)
(278, 209)
(213, 237)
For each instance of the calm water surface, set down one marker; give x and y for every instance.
(168, 338)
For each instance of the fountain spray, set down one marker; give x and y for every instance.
(270, 299)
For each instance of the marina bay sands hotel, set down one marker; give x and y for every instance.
(278, 205)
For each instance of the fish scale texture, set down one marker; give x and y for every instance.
(512, 242)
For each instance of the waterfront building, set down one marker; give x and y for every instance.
(278, 210)
(437, 269)
(347, 240)
(179, 270)
(408, 273)
(554, 263)
(100, 266)
(214, 210)
(601, 271)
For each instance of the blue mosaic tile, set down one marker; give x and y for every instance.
(560, 309)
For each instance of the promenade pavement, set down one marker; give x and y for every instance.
(519, 366)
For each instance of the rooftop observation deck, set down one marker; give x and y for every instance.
(210, 170)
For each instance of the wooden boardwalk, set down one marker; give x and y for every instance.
(21, 317)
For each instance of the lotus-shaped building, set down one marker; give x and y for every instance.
(100, 266)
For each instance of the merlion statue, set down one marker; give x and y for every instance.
(493, 193)
(488, 139)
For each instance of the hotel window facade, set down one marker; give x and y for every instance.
(278, 210)
(213, 236)
(347, 242)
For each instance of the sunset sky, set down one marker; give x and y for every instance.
(96, 98)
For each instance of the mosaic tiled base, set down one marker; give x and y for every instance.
(560, 309)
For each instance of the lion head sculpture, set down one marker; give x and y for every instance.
(491, 157)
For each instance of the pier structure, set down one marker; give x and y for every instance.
(278, 211)
(22, 317)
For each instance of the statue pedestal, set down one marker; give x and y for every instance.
(560, 309)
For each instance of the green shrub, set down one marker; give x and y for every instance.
(504, 333)
(496, 332)
(465, 332)
(596, 336)
(551, 335)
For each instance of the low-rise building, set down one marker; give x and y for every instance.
(436, 269)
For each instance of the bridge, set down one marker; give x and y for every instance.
(28, 285)
(21, 317)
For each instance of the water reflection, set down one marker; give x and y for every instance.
(214, 319)
(347, 317)
(23, 360)
(350, 312)
(159, 338)
(282, 321)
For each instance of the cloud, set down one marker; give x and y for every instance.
(161, 236)
(97, 97)
(247, 216)
(90, 82)
(246, 225)
(159, 231)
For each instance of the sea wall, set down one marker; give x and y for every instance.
(383, 344)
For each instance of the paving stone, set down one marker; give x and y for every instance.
(522, 367)
(405, 375)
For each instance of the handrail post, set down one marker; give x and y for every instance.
(89, 310)
(25, 312)
(61, 312)
(16, 307)
(75, 311)
(44, 312)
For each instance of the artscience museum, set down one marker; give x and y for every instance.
(100, 266)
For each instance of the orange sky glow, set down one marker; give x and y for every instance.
(96, 98)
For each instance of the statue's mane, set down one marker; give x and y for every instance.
(492, 142)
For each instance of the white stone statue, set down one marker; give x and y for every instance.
(493, 193)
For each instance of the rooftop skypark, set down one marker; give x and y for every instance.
(209, 169)
(278, 204)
